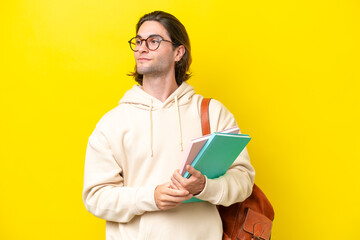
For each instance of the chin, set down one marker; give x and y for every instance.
(141, 71)
(144, 70)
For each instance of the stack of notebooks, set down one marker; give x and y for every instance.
(213, 154)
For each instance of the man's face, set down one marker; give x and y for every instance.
(158, 62)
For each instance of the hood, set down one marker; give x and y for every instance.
(142, 100)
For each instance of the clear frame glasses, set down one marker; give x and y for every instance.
(152, 42)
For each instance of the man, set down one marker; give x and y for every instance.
(131, 177)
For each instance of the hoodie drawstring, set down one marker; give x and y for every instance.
(179, 123)
(151, 129)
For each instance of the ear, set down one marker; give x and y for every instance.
(179, 52)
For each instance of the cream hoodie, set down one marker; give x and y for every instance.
(137, 146)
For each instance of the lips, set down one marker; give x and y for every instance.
(143, 59)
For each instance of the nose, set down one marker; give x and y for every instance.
(143, 48)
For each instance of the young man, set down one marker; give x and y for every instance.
(131, 177)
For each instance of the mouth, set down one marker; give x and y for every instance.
(143, 59)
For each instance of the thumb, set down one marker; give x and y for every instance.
(193, 171)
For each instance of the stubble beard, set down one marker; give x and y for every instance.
(152, 70)
(155, 69)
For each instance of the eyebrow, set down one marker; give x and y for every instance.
(152, 35)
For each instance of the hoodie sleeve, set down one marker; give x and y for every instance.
(104, 193)
(236, 185)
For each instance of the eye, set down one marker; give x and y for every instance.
(138, 41)
(154, 40)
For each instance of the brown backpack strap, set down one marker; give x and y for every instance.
(205, 123)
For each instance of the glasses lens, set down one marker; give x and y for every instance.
(153, 42)
(134, 44)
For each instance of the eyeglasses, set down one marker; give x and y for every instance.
(152, 42)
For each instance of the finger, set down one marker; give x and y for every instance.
(166, 199)
(170, 205)
(193, 171)
(166, 189)
(176, 192)
(167, 205)
(180, 179)
(177, 184)
(171, 200)
(168, 202)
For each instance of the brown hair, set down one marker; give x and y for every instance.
(178, 36)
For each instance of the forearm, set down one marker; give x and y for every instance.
(105, 194)
(119, 204)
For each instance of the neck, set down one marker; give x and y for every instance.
(160, 87)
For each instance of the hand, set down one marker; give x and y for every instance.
(195, 184)
(168, 198)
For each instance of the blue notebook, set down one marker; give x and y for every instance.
(218, 154)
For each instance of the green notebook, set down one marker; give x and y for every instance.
(218, 154)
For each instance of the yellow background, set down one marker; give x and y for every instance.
(288, 70)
